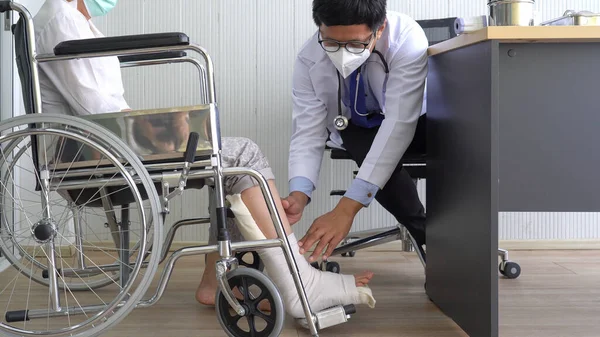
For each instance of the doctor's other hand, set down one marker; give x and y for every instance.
(330, 229)
(294, 206)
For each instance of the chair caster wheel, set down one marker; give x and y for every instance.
(510, 270)
(329, 266)
(333, 267)
(351, 254)
(263, 289)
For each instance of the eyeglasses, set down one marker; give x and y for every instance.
(354, 47)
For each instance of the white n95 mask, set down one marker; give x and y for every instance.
(347, 62)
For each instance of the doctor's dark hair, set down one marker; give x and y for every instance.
(349, 12)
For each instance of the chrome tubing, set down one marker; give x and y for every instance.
(53, 277)
(143, 51)
(377, 239)
(190, 251)
(171, 234)
(199, 66)
(503, 253)
(78, 235)
(67, 185)
(368, 233)
(86, 172)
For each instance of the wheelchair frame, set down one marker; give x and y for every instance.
(208, 167)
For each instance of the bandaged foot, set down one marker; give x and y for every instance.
(323, 289)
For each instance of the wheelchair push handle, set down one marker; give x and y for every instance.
(190, 151)
(5, 6)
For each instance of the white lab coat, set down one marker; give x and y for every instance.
(75, 87)
(315, 101)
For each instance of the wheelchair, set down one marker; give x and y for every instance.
(62, 176)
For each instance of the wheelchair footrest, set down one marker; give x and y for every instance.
(330, 317)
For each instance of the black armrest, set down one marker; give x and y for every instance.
(151, 57)
(118, 43)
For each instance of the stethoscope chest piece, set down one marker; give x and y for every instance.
(340, 122)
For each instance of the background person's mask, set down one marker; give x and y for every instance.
(99, 7)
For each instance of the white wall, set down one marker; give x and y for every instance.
(253, 44)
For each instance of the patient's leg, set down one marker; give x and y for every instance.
(324, 289)
(242, 152)
(236, 152)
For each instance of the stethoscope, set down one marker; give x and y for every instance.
(340, 122)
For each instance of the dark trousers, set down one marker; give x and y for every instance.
(399, 195)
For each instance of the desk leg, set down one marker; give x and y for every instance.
(462, 187)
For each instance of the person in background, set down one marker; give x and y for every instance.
(94, 86)
(359, 80)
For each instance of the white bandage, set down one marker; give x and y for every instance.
(244, 219)
(323, 289)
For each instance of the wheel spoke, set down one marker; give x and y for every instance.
(245, 290)
(251, 325)
(268, 318)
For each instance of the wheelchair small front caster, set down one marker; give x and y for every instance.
(510, 270)
(256, 288)
(254, 263)
(351, 254)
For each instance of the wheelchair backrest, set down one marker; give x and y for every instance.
(23, 60)
(165, 124)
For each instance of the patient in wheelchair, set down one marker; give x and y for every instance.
(91, 86)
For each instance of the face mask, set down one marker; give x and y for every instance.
(99, 7)
(347, 62)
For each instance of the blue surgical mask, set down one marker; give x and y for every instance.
(99, 7)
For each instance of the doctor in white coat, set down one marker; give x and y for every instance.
(359, 81)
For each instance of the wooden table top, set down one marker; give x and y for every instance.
(520, 34)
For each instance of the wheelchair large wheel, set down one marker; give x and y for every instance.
(52, 167)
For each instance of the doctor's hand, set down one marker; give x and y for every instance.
(294, 206)
(330, 229)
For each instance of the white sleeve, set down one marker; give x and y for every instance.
(90, 86)
(309, 127)
(403, 104)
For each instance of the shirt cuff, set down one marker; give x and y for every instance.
(362, 191)
(302, 184)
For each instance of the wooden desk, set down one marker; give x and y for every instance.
(513, 120)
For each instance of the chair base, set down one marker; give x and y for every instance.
(370, 238)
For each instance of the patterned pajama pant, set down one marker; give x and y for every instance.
(239, 152)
